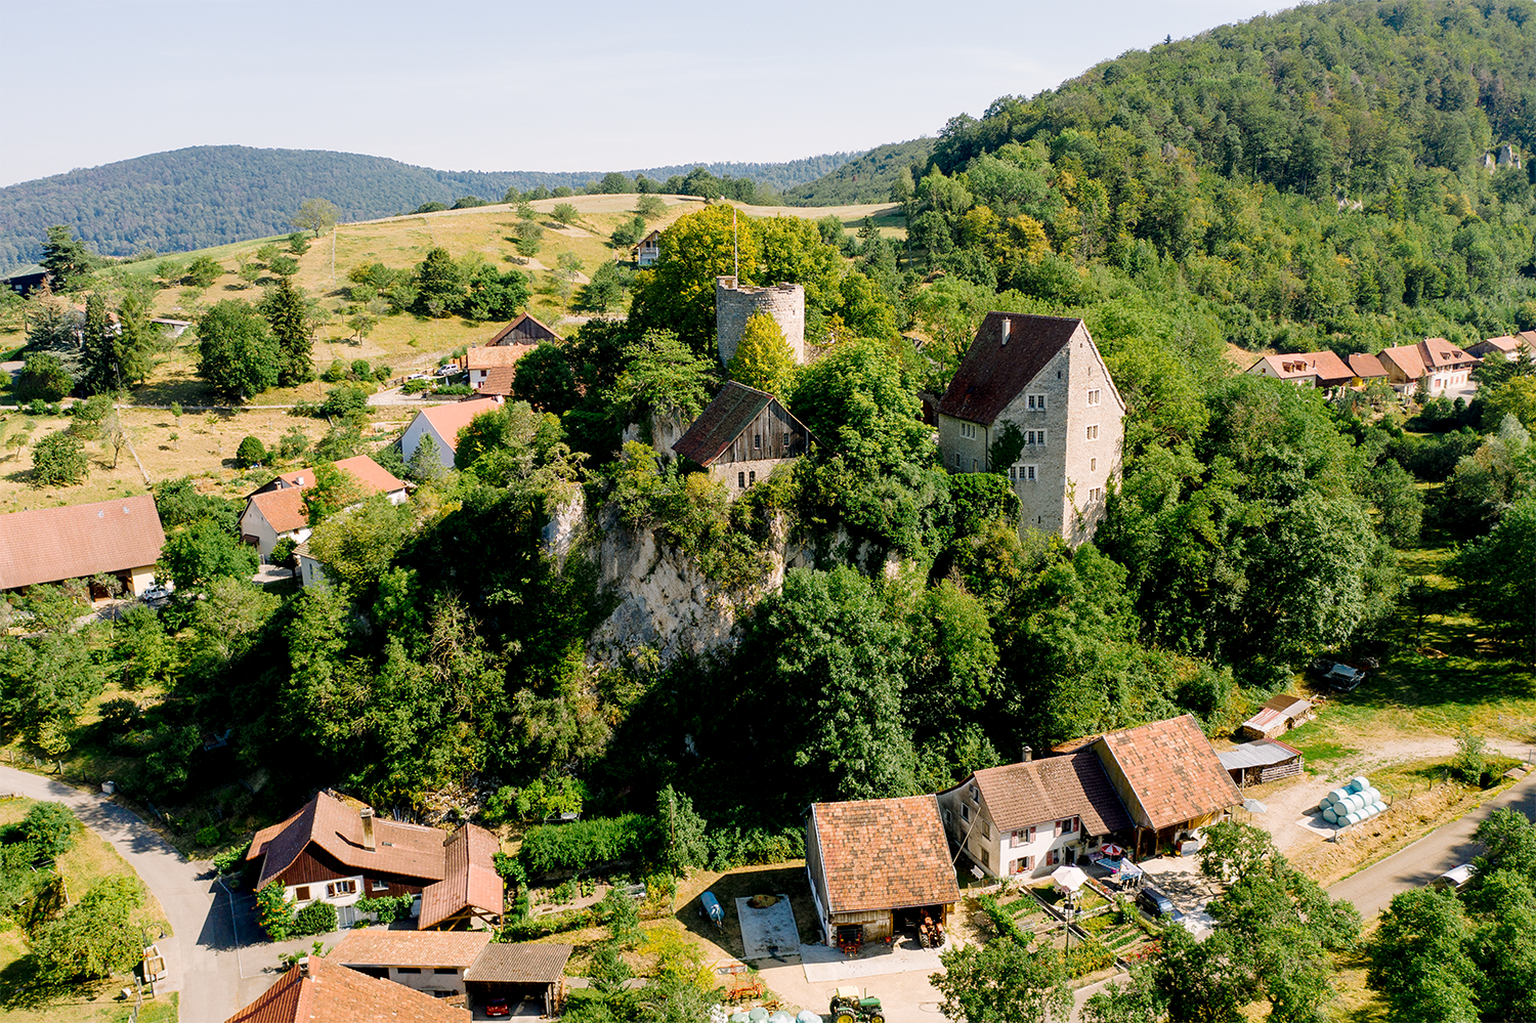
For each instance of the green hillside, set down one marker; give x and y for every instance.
(213, 195)
(868, 178)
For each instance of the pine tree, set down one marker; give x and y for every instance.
(284, 310)
(763, 359)
(100, 370)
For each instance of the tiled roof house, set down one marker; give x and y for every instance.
(1168, 776)
(442, 423)
(517, 971)
(1323, 370)
(320, 991)
(1434, 359)
(331, 852)
(430, 961)
(121, 537)
(1509, 345)
(873, 861)
(1365, 368)
(277, 510)
(525, 330)
(742, 436)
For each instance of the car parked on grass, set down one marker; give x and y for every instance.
(1340, 675)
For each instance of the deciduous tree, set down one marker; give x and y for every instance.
(237, 353)
(315, 215)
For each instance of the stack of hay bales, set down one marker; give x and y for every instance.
(1350, 804)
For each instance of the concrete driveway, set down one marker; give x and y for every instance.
(1373, 888)
(201, 955)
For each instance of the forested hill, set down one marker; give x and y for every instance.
(211, 195)
(869, 178)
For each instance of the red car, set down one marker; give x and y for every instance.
(498, 1007)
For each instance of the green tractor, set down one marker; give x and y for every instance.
(850, 1006)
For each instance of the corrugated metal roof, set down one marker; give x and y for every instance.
(1263, 753)
(523, 963)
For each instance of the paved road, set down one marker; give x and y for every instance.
(200, 955)
(1372, 888)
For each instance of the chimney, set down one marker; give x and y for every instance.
(1007, 326)
(367, 816)
(1029, 754)
(304, 966)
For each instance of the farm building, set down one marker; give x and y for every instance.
(317, 989)
(742, 436)
(121, 537)
(877, 865)
(525, 330)
(1254, 763)
(1279, 715)
(517, 972)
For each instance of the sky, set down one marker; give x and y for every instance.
(552, 85)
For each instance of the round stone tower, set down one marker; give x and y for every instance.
(734, 303)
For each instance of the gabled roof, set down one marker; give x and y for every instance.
(1325, 365)
(1171, 769)
(1263, 753)
(1275, 711)
(490, 356)
(1505, 344)
(524, 330)
(998, 366)
(731, 412)
(404, 850)
(498, 380)
(1021, 795)
(320, 991)
(523, 963)
(49, 544)
(283, 509)
(884, 854)
(1366, 367)
(384, 946)
(470, 882)
(1428, 355)
(449, 419)
(373, 476)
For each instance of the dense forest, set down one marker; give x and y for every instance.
(212, 195)
(868, 178)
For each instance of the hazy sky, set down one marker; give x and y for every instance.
(537, 86)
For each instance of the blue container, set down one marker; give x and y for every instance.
(712, 908)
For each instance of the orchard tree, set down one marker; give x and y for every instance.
(763, 359)
(237, 353)
(203, 271)
(95, 937)
(315, 215)
(1418, 958)
(58, 460)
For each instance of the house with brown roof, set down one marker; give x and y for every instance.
(1365, 369)
(482, 360)
(520, 971)
(1027, 819)
(121, 537)
(332, 852)
(1043, 377)
(277, 511)
(317, 990)
(1168, 778)
(497, 382)
(1322, 370)
(1279, 715)
(1436, 363)
(433, 962)
(648, 249)
(743, 436)
(877, 865)
(1511, 346)
(442, 423)
(525, 330)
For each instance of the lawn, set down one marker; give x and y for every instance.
(91, 860)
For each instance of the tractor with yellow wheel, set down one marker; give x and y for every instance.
(849, 1005)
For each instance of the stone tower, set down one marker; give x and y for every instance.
(735, 303)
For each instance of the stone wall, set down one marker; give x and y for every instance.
(734, 303)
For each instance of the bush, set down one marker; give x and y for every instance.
(273, 913)
(343, 400)
(43, 378)
(415, 386)
(336, 373)
(388, 908)
(250, 452)
(206, 837)
(451, 390)
(231, 859)
(315, 918)
(733, 847)
(50, 827)
(282, 551)
(583, 844)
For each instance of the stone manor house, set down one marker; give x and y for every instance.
(1044, 376)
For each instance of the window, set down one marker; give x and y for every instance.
(751, 477)
(757, 442)
(339, 888)
(451, 971)
(1027, 473)
(968, 431)
(986, 829)
(1093, 464)
(741, 481)
(1034, 402)
(1096, 494)
(786, 443)
(975, 793)
(1093, 397)
(965, 812)
(301, 893)
(986, 859)
(1019, 866)
(957, 459)
(378, 886)
(1034, 438)
(1093, 432)
(1067, 826)
(1053, 857)
(407, 969)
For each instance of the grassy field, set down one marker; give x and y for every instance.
(91, 860)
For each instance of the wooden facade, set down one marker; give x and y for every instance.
(315, 867)
(772, 435)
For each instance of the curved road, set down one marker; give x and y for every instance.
(200, 955)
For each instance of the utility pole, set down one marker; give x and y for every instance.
(735, 254)
(333, 253)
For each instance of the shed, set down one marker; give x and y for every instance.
(1279, 715)
(519, 971)
(1254, 763)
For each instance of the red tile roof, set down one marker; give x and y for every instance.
(320, 991)
(884, 854)
(283, 509)
(524, 963)
(406, 850)
(492, 356)
(1430, 354)
(1020, 795)
(471, 880)
(1172, 771)
(524, 330)
(498, 380)
(449, 419)
(1326, 366)
(994, 371)
(1366, 367)
(373, 476)
(50, 544)
(384, 946)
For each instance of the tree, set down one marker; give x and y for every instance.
(330, 492)
(50, 827)
(678, 292)
(203, 271)
(605, 290)
(1418, 959)
(100, 370)
(250, 452)
(426, 464)
(273, 913)
(66, 259)
(679, 832)
(95, 937)
(58, 460)
(440, 285)
(1136, 1002)
(1499, 573)
(543, 379)
(204, 551)
(663, 376)
(1002, 982)
(359, 547)
(284, 309)
(137, 336)
(44, 378)
(495, 296)
(315, 215)
(565, 213)
(650, 206)
(763, 359)
(237, 353)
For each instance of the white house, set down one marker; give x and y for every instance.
(276, 511)
(442, 423)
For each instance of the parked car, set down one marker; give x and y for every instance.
(1454, 879)
(1156, 903)
(156, 592)
(498, 1007)
(1344, 678)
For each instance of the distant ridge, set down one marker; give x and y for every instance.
(213, 195)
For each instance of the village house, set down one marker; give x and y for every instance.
(120, 538)
(497, 382)
(1322, 370)
(483, 360)
(1509, 346)
(276, 511)
(332, 852)
(432, 962)
(876, 866)
(317, 989)
(1366, 369)
(1043, 377)
(743, 436)
(1279, 715)
(1436, 363)
(1027, 819)
(648, 249)
(1169, 779)
(526, 331)
(442, 423)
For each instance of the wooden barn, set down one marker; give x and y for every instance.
(743, 436)
(1279, 715)
(1254, 763)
